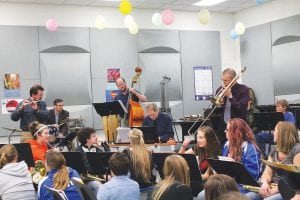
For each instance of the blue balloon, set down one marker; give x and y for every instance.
(260, 1)
(233, 34)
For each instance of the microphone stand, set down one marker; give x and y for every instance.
(9, 136)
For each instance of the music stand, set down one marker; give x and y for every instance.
(149, 133)
(24, 153)
(233, 169)
(110, 108)
(99, 162)
(268, 121)
(75, 160)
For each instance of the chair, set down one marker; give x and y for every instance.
(57, 194)
(285, 189)
(85, 192)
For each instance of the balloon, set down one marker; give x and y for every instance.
(100, 22)
(260, 1)
(133, 29)
(204, 16)
(128, 20)
(233, 34)
(51, 25)
(239, 28)
(157, 19)
(125, 7)
(167, 16)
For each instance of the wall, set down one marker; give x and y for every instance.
(82, 16)
(256, 50)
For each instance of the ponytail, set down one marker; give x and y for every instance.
(61, 179)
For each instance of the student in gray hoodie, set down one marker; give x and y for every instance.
(16, 182)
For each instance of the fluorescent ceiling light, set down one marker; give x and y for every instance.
(208, 2)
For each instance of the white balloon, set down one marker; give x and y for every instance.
(239, 28)
(128, 20)
(204, 16)
(157, 19)
(133, 29)
(100, 22)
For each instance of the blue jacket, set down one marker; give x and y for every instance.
(71, 191)
(250, 158)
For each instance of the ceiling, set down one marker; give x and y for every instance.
(229, 6)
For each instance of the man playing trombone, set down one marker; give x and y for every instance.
(231, 99)
(32, 109)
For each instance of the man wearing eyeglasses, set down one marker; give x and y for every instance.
(57, 117)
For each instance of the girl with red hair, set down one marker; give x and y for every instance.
(241, 146)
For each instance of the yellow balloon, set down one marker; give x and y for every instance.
(125, 7)
(204, 16)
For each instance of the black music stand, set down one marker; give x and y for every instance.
(24, 153)
(195, 175)
(110, 108)
(149, 133)
(233, 169)
(75, 160)
(99, 162)
(268, 121)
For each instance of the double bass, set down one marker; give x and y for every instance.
(136, 112)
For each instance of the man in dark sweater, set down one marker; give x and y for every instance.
(161, 121)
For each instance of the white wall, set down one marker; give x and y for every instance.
(265, 13)
(82, 16)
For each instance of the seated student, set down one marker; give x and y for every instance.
(89, 143)
(161, 121)
(140, 157)
(59, 177)
(218, 184)
(39, 143)
(175, 185)
(207, 146)
(241, 146)
(287, 151)
(265, 137)
(16, 181)
(232, 195)
(120, 186)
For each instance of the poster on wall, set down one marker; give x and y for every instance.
(11, 83)
(9, 105)
(111, 91)
(203, 83)
(113, 74)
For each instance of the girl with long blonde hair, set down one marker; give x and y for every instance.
(58, 178)
(140, 157)
(176, 182)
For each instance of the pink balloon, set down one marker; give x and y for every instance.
(51, 25)
(167, 16)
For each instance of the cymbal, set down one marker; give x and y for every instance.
(12, 129)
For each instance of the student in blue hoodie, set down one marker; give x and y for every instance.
(59, 177)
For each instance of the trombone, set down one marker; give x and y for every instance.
(217, 100)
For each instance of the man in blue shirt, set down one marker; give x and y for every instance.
(123, 95)
(161, 121)
(120, 186)
(265, 137)
(30, 110)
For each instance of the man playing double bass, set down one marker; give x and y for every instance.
(124, 94)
